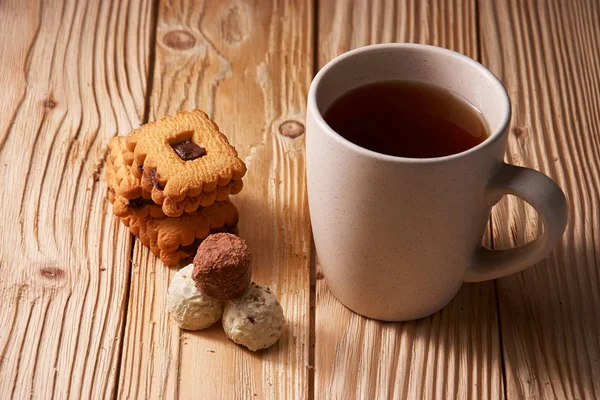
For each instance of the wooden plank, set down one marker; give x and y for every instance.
(456, 352)
(72, 74)
(248, 64)
(547, 53)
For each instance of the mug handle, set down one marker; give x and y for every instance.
(551, 205)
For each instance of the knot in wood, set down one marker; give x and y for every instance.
(52, 273)
(518, 131)
(179, 40)
(49, 103)
(291, 129)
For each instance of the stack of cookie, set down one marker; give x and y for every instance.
(170, 180)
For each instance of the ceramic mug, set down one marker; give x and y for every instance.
(396, 237)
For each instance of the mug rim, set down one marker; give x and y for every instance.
(493, 137)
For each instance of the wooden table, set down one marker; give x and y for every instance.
(82, 310)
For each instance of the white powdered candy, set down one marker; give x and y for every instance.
(188, 306)
(254, 320)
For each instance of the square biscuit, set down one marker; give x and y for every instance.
(146, 206)
(155, 149)
(174, 208)
(129, 187)
(168, 235)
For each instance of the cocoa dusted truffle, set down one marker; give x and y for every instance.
(222, 266)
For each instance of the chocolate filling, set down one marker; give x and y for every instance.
(154, 178)
(139, 202)
(189, 150)
(191, 248)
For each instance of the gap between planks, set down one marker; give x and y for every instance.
(145, 119)
(313, 257)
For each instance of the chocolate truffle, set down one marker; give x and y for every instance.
(254, 320)
(188, 307)
(222, 266)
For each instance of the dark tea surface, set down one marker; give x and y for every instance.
(407, 119)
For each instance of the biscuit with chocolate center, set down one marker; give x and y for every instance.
(129, 182)
(185, 155)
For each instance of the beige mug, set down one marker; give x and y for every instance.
(396, 237)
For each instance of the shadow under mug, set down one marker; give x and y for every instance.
(396, 237)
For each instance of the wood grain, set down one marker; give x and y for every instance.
(550, 314)
(248, 64)
(73, 74)
(455, 353)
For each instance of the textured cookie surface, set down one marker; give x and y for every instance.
(176, 239)
(145, 206)
(119, 174)
(130, 188)
(157, 148)
(175, 208)
(185, 254)
(123, 207)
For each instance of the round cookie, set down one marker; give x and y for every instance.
(255, 319)
(222, 266)
(188, 307)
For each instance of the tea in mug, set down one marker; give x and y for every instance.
(407, 119)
